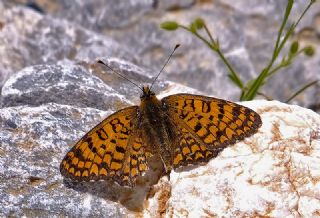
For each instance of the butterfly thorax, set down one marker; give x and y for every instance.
(155, 124)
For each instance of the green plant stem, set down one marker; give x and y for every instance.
(304, 12)
(284, 64)
(251, 88)
(216, 48)
(250, 94)
(199, 36)
(278, 47)
(290, 31)
(265, 96)
(232, 72)
(209, 34)
(301, 90)
(274, 70)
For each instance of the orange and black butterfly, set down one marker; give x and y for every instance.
(182, 129)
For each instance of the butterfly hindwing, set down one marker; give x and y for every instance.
(190, 149)
(208, 125)
(135, 163)
(111, 150)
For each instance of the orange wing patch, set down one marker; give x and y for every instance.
(190, 150)
(135, 160)
(112, 150)
(209, 124)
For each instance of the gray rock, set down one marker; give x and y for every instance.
(33, 142)
(29, 38)
(62, 84)
(245, 29)
(174, 4)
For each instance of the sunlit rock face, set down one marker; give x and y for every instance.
(273, 173)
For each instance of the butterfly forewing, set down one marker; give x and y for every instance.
(111, 150)
(208, 124)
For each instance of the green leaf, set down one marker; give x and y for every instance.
(294, 47)
(309, 51)
(169, 25)
(255, 85)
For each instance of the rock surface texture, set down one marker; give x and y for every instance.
(273, 173)
(53, 92)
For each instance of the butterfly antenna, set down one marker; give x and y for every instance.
(101, 62)
(175, 48)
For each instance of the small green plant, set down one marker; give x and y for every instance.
(251, 89)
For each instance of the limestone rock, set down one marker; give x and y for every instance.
(274, 173)
(64, 84)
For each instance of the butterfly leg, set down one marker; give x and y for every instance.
(167, 169)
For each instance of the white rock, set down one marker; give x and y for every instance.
(274, 173)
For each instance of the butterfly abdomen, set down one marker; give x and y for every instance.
(156, 129)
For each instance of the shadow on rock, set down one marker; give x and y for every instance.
(130, 197)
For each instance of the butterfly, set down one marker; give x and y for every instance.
(181, 129)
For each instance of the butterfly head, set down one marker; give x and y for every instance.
(146, 93)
